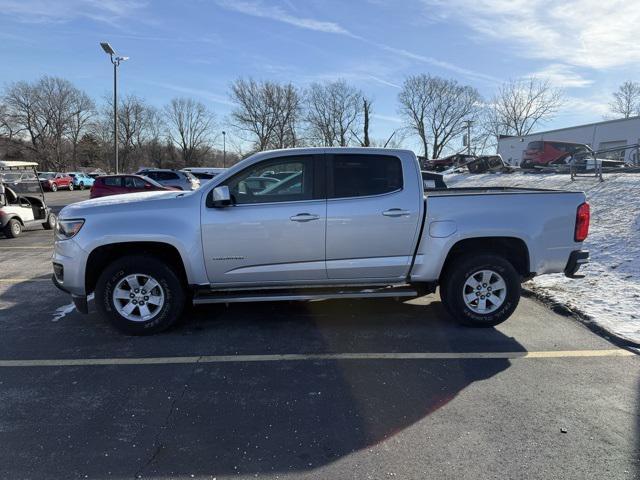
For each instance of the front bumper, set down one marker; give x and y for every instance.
(576, 260)
(69, 262)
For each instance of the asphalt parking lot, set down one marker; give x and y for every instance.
(335, 389)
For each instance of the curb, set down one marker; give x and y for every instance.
(583, 318)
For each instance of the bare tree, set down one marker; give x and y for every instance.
(190, 127)
(45, 110)
(626, 100)
(9, 125)
(266, 113)
(333, 113)
(365, 141)
(521, 105)
(436, 108)
(83, 111)
(134, 120)
(155, 151)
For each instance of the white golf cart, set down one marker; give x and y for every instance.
(22, 203)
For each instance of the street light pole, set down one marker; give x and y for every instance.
(115, 60)
(224, 149)
(115, 112)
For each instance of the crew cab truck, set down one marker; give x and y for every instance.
(342, 223)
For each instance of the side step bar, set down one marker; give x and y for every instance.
(202, 298)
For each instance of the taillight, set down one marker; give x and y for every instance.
(582, 222)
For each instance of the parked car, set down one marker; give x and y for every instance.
(171, 178)
(204, 173)
(119, 184)
(81, 180)
(347, 223)
(53, 181)
(22, 203)
(544, 153)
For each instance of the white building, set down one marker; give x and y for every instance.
(599, 136)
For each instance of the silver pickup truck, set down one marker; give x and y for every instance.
(315, 223)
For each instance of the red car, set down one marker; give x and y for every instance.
(543, 153)
(118, 184)
(52, 181)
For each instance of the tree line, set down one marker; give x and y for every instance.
(53, 122)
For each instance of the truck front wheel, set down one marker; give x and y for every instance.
(480, 290)
(140, 295)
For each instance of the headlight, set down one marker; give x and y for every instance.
(68, 228)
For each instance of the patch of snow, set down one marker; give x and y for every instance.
(610, 292)
(65, 310)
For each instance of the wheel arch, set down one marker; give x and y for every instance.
(513, 249)
(103, 255)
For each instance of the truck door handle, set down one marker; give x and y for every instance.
(304, 217)
(396, 212)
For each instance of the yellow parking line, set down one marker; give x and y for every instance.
(69, 362)
(22, 280)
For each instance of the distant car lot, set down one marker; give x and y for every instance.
(338, 389)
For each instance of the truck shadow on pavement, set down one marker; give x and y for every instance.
(240, 418)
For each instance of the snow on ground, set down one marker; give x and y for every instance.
(610, 293)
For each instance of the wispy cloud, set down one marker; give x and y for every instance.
(387, 118)
(44, 11)
(435, 62)
(258, 9)
(587, 33)
(562, 76)
(198, 92)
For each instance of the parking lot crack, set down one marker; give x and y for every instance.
(165, 424)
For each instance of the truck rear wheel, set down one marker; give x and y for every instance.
(140, 295)
(480, 290)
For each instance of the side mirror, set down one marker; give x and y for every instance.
(221, 196)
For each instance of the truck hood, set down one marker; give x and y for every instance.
(141, 200)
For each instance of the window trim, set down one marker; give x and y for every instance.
(329, 175)
(318, 171)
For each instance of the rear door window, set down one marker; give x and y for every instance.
(353, 175)
(112, 181)
(167, 176)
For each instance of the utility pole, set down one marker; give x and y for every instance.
(468, 124)
(224, 149)
(115, 59)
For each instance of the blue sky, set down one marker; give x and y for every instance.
(198, 47)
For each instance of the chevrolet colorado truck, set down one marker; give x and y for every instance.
(337, 223)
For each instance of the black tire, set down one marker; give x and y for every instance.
(54, 187)
(71, 187)
(452, 289)
(50, 224)
(13, 228)
(173, 289)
